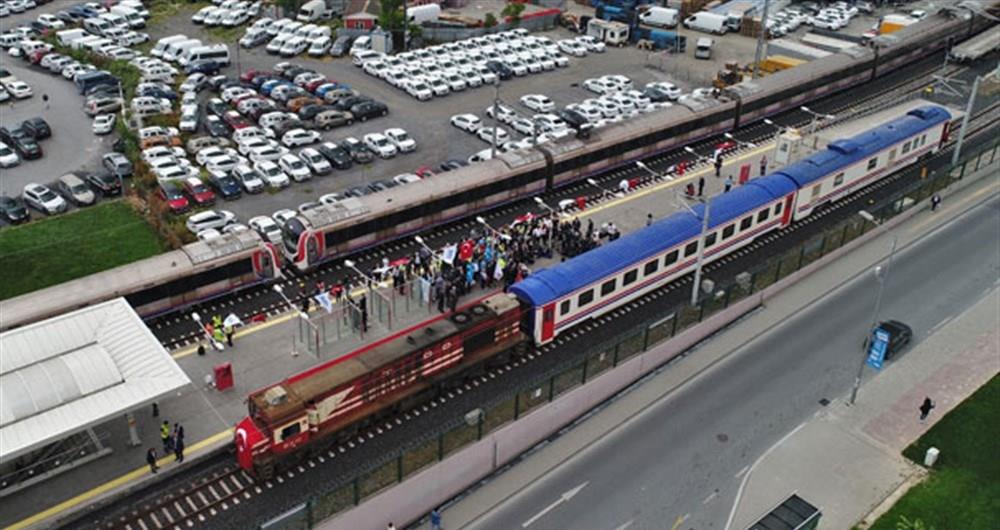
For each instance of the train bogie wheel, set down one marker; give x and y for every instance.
(264, 470)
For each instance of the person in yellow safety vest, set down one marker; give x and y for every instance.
(218, 335)
(228, 330)
(217, 321)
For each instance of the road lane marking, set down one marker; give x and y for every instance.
(743, 471)
(625, 525)
(680, 520)
(746, 477)
(562, 498)
(711, 496)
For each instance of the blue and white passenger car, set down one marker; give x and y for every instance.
(607, 277)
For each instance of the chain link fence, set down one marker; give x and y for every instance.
(504, 409)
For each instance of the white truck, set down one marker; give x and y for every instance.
(420, 14)
(608, 31)
(660, 16)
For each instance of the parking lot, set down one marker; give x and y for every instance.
(74, 146)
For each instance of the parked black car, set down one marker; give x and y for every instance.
(572, 118)
(227, 186)
(341, 46)
(216, 127)
(358, 191)
(899, 336)
(501, 70)
(22, 142)
(13, 210)
(338, 156)
(369, 109)
(350, 101)
(453, 163)
(118, 164)
(105, 183)
(358, 151)
(37, 128)
(205, 66)
(381, 185)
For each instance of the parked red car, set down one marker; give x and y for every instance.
(175, 199)
(197, 190)
(235, 120)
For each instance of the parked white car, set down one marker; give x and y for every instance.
(267, 228)
(272, 174)
(209, 219)
(299, 137)
(294, 167)
(401, 139)
(104, 124)
(538, 103)
(381, 145)
(467, 122)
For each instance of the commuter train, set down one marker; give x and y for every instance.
(325, 233)
(306, 409)
(153, 285)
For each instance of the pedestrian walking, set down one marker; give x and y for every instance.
(718, 165)
(935, 201)
(179, 445)
(649, 219)
(925, 408)
(229, 336)
(729, 183)
(45, 99)
(689, 190)
(435, 519)
(151, 460)
(701, 186)
(763, 165)
(165, 436)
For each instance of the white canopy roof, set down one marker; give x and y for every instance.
(70, 372)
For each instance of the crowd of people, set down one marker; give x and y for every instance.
(487, 258)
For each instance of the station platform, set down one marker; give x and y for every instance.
(266, 352)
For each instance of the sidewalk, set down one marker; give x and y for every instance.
(881, 460)
(868, 438)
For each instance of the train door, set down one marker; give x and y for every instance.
(548, 322)
(786, 216)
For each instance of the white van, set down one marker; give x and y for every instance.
(177, 49)
(703, 48)
(660, 16)
(215, 52)
(85, 42)
(420, 14)
(162, 44)
(707, 22)
(314, 10)
(134, 19)
(115, 20)
(137, 6)
(67, 36)
(363, 42)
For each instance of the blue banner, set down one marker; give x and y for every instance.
(876, 352)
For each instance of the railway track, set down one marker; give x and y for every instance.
(176, 331)
(219, 489)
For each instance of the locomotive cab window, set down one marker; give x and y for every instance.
(728, 231)
(923, 140)
(691, 249)
(763, 215)
(746, 222)
(290, 431)
(872, 163)
(585, 298)
(608, 287)
(777, 208)
(838, 180)
(630, 276)
(815, 192)
(906, 148)
(564, 307)
(650, 267)
(671, 258)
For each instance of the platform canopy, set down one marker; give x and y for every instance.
(73, 371)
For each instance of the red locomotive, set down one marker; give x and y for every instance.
(288, 419)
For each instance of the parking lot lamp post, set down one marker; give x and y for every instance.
(496, 117)
(882, 276)
(654, 174)
(420, 241)
(604, 191)
(492, 230)
(817, 116)
(781, 130)
(215, 344)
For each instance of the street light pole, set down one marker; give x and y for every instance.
(368, 279)
(882, 275)
(701, 238)
(761, 42)
(302, 316)
(496, 117)
(215, 344)
(965, 122)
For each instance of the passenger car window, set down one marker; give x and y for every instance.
(564, 307)
(585, 298)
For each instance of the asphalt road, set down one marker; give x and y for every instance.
(680, 458)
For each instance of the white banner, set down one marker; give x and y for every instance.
(448, 254)
(324, 300)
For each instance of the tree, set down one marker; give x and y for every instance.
(513, 11)
(289, 7)
(489, 20)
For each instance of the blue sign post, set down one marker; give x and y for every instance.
(876, 352)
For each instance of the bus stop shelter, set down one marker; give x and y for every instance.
(61, 377)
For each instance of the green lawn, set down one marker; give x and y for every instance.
(963, 490)
(48, 251)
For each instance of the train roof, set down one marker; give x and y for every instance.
(847, 151)
(555, 282)
(737, 202)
